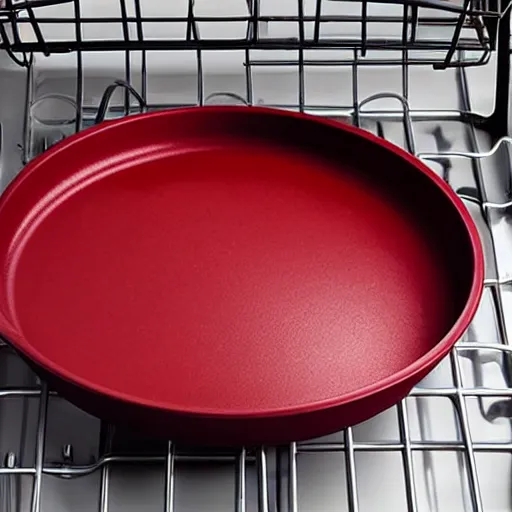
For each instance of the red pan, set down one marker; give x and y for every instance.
(234, 275)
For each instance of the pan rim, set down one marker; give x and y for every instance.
(427, 361)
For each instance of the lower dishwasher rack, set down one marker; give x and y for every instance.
(447, 447)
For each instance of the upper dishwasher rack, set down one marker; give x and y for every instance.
(444, 33)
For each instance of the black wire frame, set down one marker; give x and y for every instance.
(479, 16)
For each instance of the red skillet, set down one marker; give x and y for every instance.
(234, 275)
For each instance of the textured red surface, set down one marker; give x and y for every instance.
(236, 270)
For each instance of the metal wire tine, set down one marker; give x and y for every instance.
(498, 302)
(37, 31)
(104, 464)
(355, 90)
(472, 345)
(8, 494)
(293, 500)
(331, 62)
(24, 62)
(107, 96)
(140, 37)
(318, 18)
(414, 23)
(200, 79)
(56, 46)
(79, 68)
(405, 20)
(138, 20)
(405, 53)
(241, 475)
(248, 78)
(498, 206)
(470, 392)
(425, 446)
(255, 19)
(231, 95)
(128, 79)
(461, 64)
(409, 134)
(460, 402)
(300, 7)
(27, 125)
(410, 485)
(19, 392)
(405, 74)
(40, 444)
(14, 24)
(23, 4)
(263, 496)
(4, 37)
(144, 80)
(456, 36)
(105, 472)
(492, 282)
(364, 26)
(124, 20)
(466, 154)
(350, 463)
(169, 477)
(192, 30)
(127, 59)
(190, 19)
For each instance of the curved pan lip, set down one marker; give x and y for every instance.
(408, 373)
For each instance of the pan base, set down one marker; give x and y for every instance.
(215, 278)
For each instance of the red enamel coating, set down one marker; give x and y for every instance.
(234, 274)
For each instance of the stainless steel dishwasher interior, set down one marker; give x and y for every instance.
(447, 447)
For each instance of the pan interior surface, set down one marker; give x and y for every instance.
(238, 269)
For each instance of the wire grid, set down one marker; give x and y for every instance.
(457, 393)
(423, 25)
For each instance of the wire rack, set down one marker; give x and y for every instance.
(440, 27)
(270, 478)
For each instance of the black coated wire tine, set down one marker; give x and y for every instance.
(107, 95)
(318, 18)
(37, 31)
(5, 37)
(456, 35)
(79, 67)
(200, 78)
(127, 58)
(405, 53)
(364, 27)
(124, 20)
(14, 24)
(414, 23)
(405, 24)
(302, 92)
(355, 90)
(138, 20)
(248, 78)
(192, 30)
(255, 19)
(140, 37)
(481, 42)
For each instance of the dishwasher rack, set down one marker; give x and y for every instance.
(445, 447)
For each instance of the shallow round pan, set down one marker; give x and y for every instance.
(234, 275)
